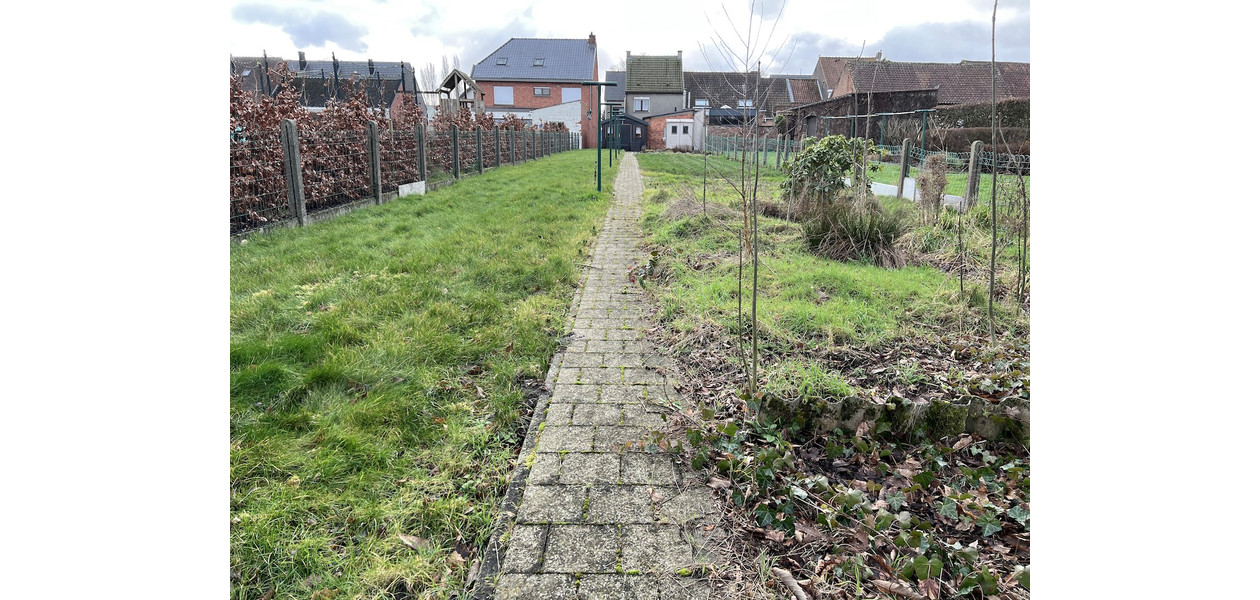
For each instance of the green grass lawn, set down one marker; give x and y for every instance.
(376, 363)
(956, 183)
(803, 298)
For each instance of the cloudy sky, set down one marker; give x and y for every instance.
(422, 32)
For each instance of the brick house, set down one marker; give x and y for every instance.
(860, 86)
(525, 74)
(654, 85)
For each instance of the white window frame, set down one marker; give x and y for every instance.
(645, 102)
(568, 92)
(702, 103)
(542, 91)
(538, 61)
(510, 92)
(501, 61)
(744, 104)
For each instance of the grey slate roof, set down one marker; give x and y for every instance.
(563, 60)
(615, 93)
(728, 88)
(660, 74)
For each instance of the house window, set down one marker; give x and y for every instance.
(502, 61)
(684, 130)
(745, 103)
(638, 130)
(538, 62)
(673, 129)
(641, 104)
(570, 94)
(702, 102)
(503, 95)
(542, 91)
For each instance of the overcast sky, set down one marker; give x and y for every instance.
(422, 32)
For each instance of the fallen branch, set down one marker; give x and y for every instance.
(889, 587)
(790, 583)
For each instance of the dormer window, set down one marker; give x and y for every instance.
(745, 103)
(538, 62)
(702, 102)
(502, 62)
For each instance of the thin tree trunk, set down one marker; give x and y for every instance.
(993, 192)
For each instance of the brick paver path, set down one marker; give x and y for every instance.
(602, 516)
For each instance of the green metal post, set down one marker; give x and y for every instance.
(455, 150)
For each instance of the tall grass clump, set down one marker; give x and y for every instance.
(839, 221)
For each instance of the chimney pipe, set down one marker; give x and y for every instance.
(680, 54)
(591, 40)
(371, 67)
(301, 60)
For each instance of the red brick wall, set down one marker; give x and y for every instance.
(523, 97)
(656, 129)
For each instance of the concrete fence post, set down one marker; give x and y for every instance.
(455, 151)
(481, 163)
(778, 151)
(422, 165)
(498, 155)
(973, 175)
(374, 162)
(903, 170)
(293, 169)
(765, 140)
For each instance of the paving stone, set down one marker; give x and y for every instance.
(643, 468)
(600, 376)
(613, 438)
(639, 415)
(653, 548)
(641, 376)
(525, 549)
(568, 376)
(616, 587)
(545, 470)
(686, 506)
(565, 439)
(587, 468)
(642, 346)
(624, 359)
(558, 413)
(589, 334)
(581, 359)
(621, 504)
(581, 549)
(621, 394)
(552, 503)
(573, 393)
(597, 414)
(516, 586)
(622, 334)
(605, 346)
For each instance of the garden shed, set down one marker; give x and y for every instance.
(633, 133)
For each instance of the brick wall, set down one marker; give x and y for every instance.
(880, 102)
(523, 98)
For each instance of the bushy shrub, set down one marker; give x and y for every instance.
(853, 228)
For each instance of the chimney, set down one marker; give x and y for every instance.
(591, 40)
(879, 55)
(301, 60)
(371, 67)
(680, 54)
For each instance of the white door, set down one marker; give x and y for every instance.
(678, 134)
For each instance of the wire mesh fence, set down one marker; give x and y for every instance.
(398, 158)
(259, 194)
(336, 166)
(335, 169)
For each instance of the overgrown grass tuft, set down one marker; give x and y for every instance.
(376, 369)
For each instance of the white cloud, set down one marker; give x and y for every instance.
(423, 32)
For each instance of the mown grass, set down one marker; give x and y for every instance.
(804, 300)
(376, 362)
(956, 183)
